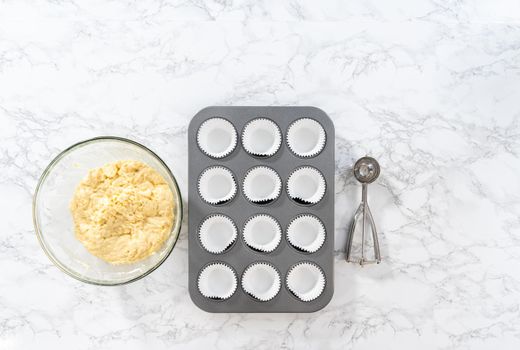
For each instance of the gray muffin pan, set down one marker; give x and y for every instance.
(284, 209)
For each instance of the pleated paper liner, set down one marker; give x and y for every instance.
(262, 185)
(305, 281)
(217, 137)
(262, 233)
(306, 185)
(306, 137)
(217, 233)
(306, 233)
(261, 281)
(217, 281)
(217, 185)
(261, 137)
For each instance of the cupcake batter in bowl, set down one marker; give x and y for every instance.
(123, 212)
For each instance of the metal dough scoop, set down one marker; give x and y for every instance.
(366, 171)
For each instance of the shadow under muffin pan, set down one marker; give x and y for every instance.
(261, 205)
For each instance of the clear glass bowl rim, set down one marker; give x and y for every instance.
(176, 228)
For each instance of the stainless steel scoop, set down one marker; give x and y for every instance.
(366, 171)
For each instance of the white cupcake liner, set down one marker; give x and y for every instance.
(261, 281)
(217, 233)
(306, 281)
(306, 137)
(261, 137)
(217, 281)
(262, 185)
(217, 185)
(262, 233)
(306, 185)
(217, 137)
(306, 233)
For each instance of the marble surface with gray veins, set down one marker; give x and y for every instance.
(430, 88)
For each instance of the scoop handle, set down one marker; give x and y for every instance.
(364, 211)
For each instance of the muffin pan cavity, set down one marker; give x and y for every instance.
(306, 137)
(262, 185)
(261, 281)
(306, 185)
(306, 281)
(262, 233)
(217, 185)
(217, 137)
(306, 233)
(217, 233)
(261, 137)
(217, 281)
(261, 205)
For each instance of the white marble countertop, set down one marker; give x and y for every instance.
(430, 88)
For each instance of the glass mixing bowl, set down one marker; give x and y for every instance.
(53, 220)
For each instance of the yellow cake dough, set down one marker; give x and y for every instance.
(123, 211)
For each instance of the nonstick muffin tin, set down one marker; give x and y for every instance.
(261, 209)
